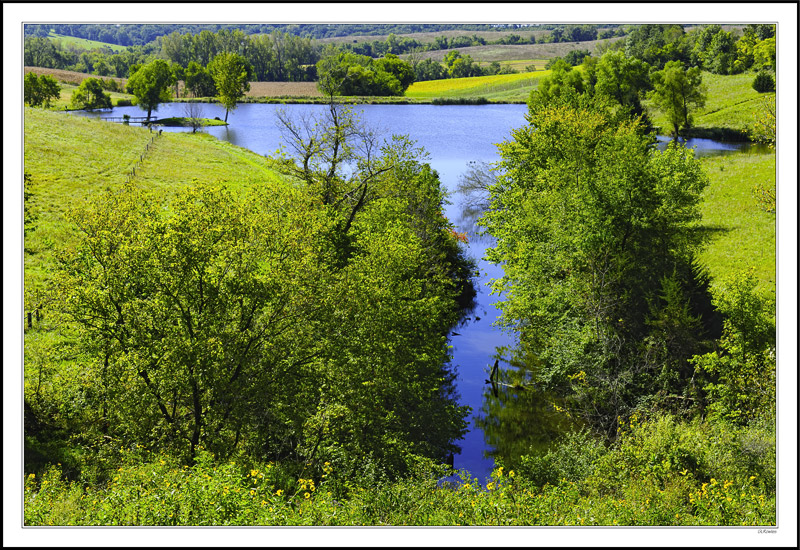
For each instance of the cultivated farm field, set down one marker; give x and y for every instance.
(283, 89)
(70, 77)
(509, 52)
(507, 87)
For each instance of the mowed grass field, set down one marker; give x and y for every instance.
(70, 77)
(741, 235)
(428, 37)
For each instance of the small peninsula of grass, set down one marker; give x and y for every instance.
(186, 122)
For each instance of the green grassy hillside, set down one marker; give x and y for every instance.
(84, 43)
(741, 234)
(71, 157)
(730, 107)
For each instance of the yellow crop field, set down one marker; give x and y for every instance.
(478, 86)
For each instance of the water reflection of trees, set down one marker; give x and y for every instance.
(474, 197)
(520, 419)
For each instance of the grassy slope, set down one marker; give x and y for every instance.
(731, 104)
(84, 43)
(72, 157)
(741, 234)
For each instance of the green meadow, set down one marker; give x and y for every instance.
(85, 43)
(729, 111)
(741, 234)
(71, 157)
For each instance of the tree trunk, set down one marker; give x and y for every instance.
(198, 419)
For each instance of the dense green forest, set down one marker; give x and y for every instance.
(223, 338)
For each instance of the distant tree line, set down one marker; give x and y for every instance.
(274, 57)
(54, 54)
(133, 35)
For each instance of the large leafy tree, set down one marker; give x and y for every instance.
(622, 78)
(562, 78)
(198, 81)
(677, 91)
(40, 90)
(150, 84)
(230, 72)
(296, 322)
(90, 95)
(594, 228)
(197, 317)
(347, 73)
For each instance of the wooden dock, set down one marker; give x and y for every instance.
(132, 120)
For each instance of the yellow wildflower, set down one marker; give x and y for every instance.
(307, 495)
(279, 492)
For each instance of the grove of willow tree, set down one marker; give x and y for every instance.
(596, 230)
(301, 321)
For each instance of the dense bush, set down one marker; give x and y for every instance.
(660, 472)
(349, 74)
(764, 82)
(90, 96)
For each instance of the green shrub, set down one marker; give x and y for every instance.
(743, 370)
(764, 82)
(572, 459)
(459, 101)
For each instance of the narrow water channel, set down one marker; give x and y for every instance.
(453, 136)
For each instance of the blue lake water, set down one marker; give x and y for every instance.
(453, 135)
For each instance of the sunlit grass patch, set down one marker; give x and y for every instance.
(478, 86)
(71, 157)
(731, 104)
(742, 235)
(84, 43)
